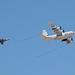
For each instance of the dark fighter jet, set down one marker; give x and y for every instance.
(3, 40)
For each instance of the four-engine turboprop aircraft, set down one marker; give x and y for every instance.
(60, 34)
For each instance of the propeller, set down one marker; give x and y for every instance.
(60, 27)
(63, 31)
(71, 39)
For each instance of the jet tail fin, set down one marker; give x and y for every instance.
(43, 36)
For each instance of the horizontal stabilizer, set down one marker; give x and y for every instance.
(44, 37)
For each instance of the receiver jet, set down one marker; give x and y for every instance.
(3, 40)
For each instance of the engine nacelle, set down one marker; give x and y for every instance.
(71, 39)
(59, 27)
(62, 30)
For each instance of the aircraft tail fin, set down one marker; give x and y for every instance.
(44, 33)
(44, 37)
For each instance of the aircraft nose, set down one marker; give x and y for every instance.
(7, 39)
(74, 32)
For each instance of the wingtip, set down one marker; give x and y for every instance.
(50, 23)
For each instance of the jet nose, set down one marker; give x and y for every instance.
(7, 39)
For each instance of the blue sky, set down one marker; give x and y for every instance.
(21, 19)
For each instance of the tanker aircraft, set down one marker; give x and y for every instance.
(59, 34)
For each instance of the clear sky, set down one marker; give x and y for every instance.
(21, 19)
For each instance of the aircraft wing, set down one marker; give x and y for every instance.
(55, 29)
(68, 41)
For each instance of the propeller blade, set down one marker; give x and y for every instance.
(72, 39)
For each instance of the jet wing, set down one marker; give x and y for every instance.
(55, 29)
